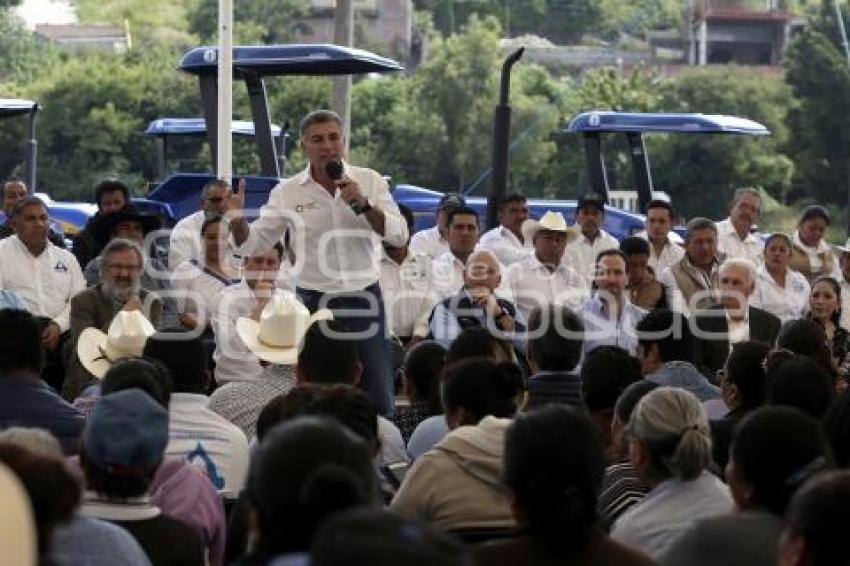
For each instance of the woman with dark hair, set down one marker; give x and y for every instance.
(811, 255)
(825, 310)
(420, 373)
(816, 523)
(302, 472)
(742, 384)
(780, 290)
(200, 284)
(554, 463)
(670, 450)
(774, 451)
(457, 484)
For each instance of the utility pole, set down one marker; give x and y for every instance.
(224, 149)
(343, 35)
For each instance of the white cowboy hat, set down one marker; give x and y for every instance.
(17, 523)
(127, 334)
(283, 323)
(549, 221)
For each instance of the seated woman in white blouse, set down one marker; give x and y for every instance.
(780, 290)
(198, 285)
(670, 451)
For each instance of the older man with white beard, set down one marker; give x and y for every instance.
(120, 288)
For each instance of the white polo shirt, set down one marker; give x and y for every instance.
(234, 361)
(787, 302)
(198, 290)
(429, 242)
(505, 245)
(336, 249)
(208, 441)
(531, 284)
(670, 253)
(46, 282)
(728, 242)
(408, 294)
(581, 254)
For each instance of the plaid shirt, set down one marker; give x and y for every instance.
(240, 402)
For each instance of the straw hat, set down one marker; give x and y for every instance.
(127, 334)
(283, 323)
(17, 524)
(553, 221)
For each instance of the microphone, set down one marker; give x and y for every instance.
(334, 170)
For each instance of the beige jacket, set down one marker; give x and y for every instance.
(457, 485)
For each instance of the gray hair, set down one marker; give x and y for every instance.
(740, 263)
(39, 441)
(318, 117)
(25, 202)
(744, 191)
(673, 426)
(117, 245)
(700, 223)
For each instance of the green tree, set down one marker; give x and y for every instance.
(266, 21)
(148, 21)
(701, 172)
(818, 74)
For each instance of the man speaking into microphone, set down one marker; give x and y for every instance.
(337, 214)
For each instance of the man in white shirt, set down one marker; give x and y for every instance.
(185, 240)
(234, 360)
(609, 317)
(664, 248)
(506, 240)
(734, 235)
(45, 276)
(195, 433)
(544, 278)
(593, 239)
(844, 263)
(462, 237)
(434, 242)
(407, 285)
(338, 214)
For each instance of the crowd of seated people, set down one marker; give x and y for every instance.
(558, 397)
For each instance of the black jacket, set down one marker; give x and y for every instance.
(710, 352)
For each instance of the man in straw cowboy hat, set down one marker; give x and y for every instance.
(544, 278)
(286, 334)
(120, 289)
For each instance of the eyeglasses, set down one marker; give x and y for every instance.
(123, 267)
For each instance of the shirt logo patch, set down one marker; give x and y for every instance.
(301, 207)
(60, 267)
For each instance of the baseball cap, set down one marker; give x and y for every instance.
(127, 430)
(591, 199)
(450, 201)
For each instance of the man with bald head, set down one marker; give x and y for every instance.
(476, 304)
(733, 319)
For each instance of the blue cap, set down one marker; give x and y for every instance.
(127, 429)
(11, 300)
